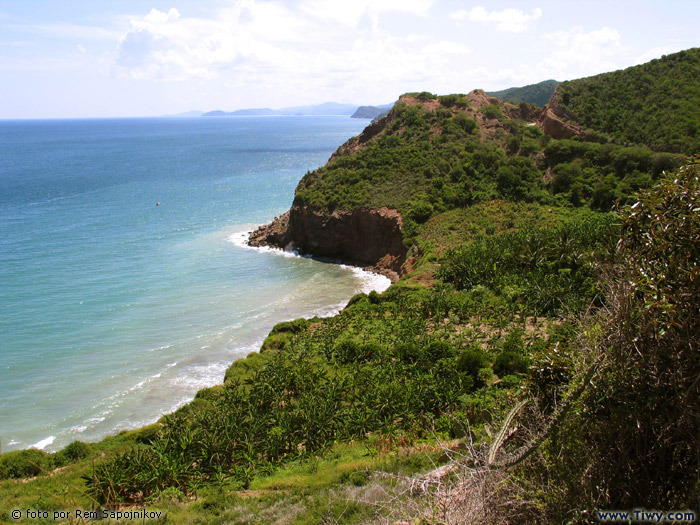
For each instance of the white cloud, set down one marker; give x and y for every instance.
(350, 13)
(266, 52)
(583, 53)
(263, 46)
(511, 20)
(164, 46)
(445, 48)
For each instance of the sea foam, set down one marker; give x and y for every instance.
(41, 445)
(370, 281)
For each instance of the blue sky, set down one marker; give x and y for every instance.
(104, 58)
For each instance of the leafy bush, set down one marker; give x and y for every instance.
(421, 211)
(471, 361)
(293, 327)
(424, 96)
(24, 463)
(510, 363)
(465, 123)
(357, 298)
(73, 452)
(458, 100)
(437, 350)
(492, 111)
(408, 352)
(347, 351)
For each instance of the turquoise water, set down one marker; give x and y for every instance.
(124, 283)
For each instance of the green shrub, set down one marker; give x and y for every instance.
(471, 361)
(20, 464)
(509, 381)
(346, 351)
(421, 211)
(483, 376)
(425, 96)
(509, 363)
(276, 342)
(464, 122)
(294, 327)
(437, 350)
(75, 451)
(357, 298)
(492, 111)
(244, 368)
(408, 352)
(448, 100)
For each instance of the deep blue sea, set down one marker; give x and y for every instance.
(125, 285)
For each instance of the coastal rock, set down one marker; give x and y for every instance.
(363, 237)
(276, 234)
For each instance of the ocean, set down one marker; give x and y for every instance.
(125, 281)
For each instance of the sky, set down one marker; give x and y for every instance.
(127, 58)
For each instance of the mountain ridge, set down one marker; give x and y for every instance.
(324, 109)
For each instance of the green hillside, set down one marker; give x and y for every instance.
(433, 154)
(538, 94)
(656, 104)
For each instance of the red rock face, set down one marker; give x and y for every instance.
(556, 128)
(554, 121)
(363, 237)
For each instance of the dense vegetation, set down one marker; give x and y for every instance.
(405, 365)
(439, 153)
(538, 94)
(545, 270)
(554, 295)
(633, 439)
(656, 104)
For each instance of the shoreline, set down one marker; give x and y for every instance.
(375, 271)
(369, 280)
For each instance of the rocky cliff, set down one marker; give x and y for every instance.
(554, 120)
(364, 237)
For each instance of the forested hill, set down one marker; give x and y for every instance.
(538, 94)
(656, 104)
(598, 140)
(432, 154)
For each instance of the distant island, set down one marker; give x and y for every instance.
(372, 112)
(186, 114)
(325, 109)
